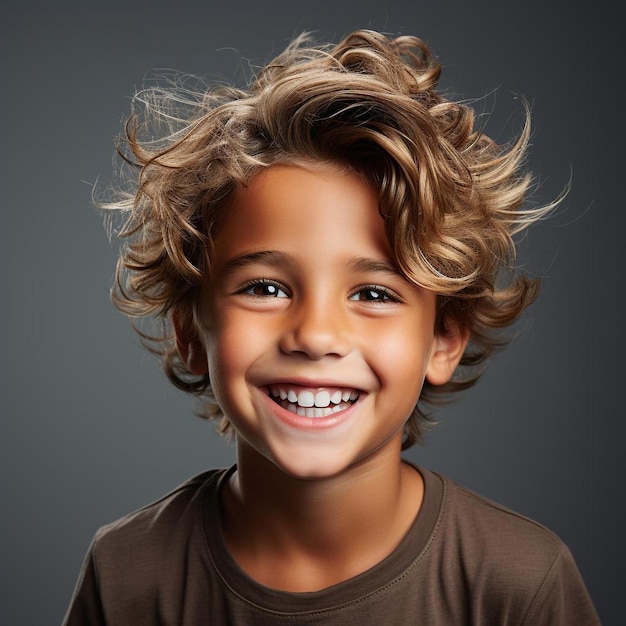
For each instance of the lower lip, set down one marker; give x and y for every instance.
(311, 424)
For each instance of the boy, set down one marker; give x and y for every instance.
(329, 247)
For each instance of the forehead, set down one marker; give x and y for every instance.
(295, 209)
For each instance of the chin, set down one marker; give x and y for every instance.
(321, 464)
(312, 466)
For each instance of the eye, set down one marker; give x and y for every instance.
(374, 294)
(261, 288)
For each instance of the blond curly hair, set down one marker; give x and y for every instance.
(451, 198)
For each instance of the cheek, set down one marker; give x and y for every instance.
(402, 351)
(233, 345)
(225, 356)
(400, 360)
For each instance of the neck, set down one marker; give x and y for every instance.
(331, 528)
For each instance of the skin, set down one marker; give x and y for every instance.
(305, 296)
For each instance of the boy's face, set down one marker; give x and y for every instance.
(316, 347)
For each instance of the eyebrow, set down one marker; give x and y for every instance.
(274, 258)
(374, 265)
(271, 258)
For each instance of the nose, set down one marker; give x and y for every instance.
(316, 330)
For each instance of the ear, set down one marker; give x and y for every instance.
(448, 349)
(188, 344)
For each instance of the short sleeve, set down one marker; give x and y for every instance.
(562, 599)
(86, 608)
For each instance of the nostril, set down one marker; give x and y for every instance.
(316, 329)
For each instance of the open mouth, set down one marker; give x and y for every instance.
(307, 403)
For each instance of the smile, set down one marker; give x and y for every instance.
(307, 403)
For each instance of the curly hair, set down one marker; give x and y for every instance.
(451, 198)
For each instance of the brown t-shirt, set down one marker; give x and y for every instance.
(465, 560)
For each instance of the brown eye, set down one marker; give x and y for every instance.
(373, 294)
(264, 289)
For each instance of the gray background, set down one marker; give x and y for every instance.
(91, 430)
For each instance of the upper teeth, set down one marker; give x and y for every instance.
(320, 399)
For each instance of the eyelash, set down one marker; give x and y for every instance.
(261, 282)
(387, 294)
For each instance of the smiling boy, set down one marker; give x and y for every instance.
(327, 247)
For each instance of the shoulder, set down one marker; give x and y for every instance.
(142, 534)
(498, 528)
(497, 540)
(513, 565)
(150, 561)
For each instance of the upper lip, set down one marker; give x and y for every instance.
(312, 384)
